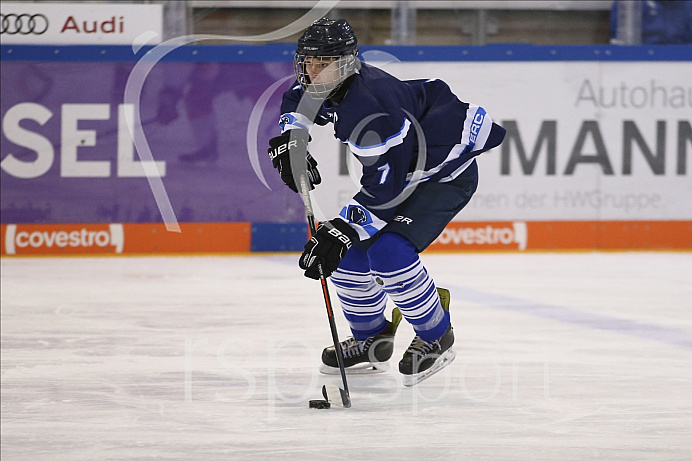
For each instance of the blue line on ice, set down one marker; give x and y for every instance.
(572, 316)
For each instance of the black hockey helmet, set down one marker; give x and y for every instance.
(331, 44)
(328, 37)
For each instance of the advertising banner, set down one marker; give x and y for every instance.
(68, 154)
(585, 140)
(592, 149)
(79, 23)
(564, 235)
(118, 238)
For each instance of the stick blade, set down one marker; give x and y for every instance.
(330, 391)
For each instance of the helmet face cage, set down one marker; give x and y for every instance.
(329, 72)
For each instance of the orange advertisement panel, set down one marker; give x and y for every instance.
(69, 239)
(482, 236)
(610, 235)
(75, 239)
(565, 235)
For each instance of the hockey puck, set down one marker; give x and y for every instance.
(320, 404)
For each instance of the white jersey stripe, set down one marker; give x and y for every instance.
(379, 149)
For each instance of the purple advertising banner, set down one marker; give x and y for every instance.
(68, 155)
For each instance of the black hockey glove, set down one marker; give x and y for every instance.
(328, 246)
(280, 152)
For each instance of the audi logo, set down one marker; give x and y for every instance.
(23, 24)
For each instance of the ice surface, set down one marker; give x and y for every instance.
(572, 356)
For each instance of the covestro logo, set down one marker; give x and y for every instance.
(63, 238)
(457, 235)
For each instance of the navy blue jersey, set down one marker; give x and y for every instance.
(402, 132)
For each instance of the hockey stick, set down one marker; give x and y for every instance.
(345, 396)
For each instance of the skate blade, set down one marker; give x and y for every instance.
(442, 361)
(368, 368)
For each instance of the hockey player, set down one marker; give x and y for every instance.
(417, 143)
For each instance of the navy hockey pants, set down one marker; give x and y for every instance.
(389, 266)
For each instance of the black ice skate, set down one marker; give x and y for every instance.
(423, 359)
(366, 356)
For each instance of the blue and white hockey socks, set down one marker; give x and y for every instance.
(391, 266)
(394, 262)
(362, 300)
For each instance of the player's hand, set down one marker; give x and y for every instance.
(328, 246)
(283, 147)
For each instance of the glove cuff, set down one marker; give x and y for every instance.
(343, 227)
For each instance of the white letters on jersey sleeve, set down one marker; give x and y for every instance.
(476, 128)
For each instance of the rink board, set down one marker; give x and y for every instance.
(134, 239)
(131, 238)
(597, 155)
